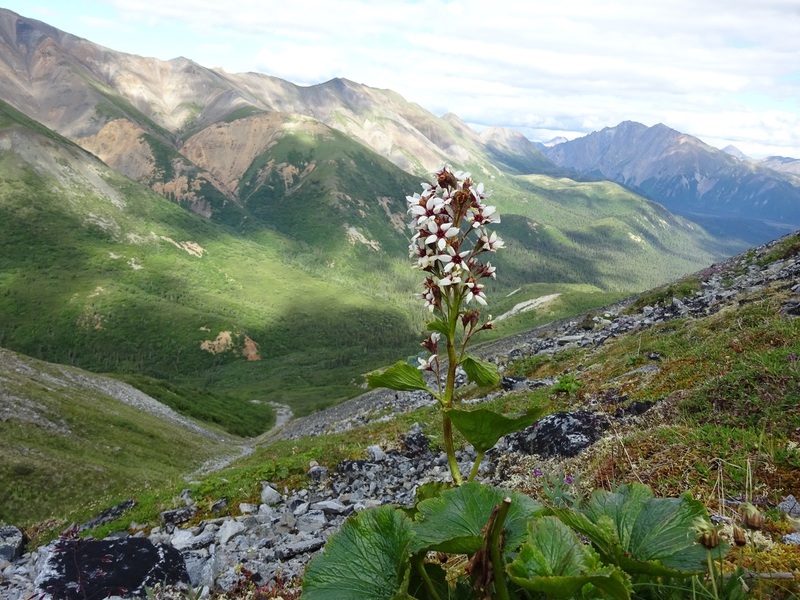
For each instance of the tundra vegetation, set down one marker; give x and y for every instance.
(471, 540)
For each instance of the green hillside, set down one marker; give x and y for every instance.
(298, 291)
(65, 438)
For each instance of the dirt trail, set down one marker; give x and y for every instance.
(283, 415)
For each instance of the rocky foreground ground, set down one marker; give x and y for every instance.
(272, 542)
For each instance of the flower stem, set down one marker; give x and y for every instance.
(495, 552)
(447, 432)
(419, 564)
(476, 466)
(449, 392)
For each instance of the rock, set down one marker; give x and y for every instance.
(246, 508)
(107, 516)
(230, 528)
(178, 515)
(301, 509)
(415, 441)
(633, 409)
(332, 507)
(11, 540)
(183, 539)
(790, 505)
(792, 538)
(509, 383)
(78, 568)
(318, 474)
(198, 568)
(269, 495)
(560, 434)
(300, 547)
(376, 453)
(311, 521)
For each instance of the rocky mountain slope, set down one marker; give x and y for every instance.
(117, 105)
(686, 176)
(678, 388)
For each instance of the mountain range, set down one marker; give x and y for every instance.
(238, 233)
(724, 191)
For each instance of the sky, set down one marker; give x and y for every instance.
(725, 71)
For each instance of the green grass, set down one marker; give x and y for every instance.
(72, 449)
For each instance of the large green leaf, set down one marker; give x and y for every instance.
(480, 371)
(554, 561)
(454, 521)
(642, 534)
(483, 427)
(367, 558)
(401, 376)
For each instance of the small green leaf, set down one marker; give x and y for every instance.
(438, 325)
(368, 558)
(554, 561)
(483, 427)
(480, 371)
(401, 376)
(454, 521)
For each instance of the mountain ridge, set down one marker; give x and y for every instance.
(684, 174)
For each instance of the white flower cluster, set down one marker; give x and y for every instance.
(450, 221)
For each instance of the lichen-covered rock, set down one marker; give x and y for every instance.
(11, 540)
(78, 568)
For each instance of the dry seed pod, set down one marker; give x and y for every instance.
(738, 536)
(751, 517)
(707, 534)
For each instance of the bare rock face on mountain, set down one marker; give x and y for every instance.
(514, 150)
(79, 89)
(783, 164)
(681, 172)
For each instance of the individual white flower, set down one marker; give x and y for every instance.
(413, 200)
(488, 270)
(454, 261)
(449, 280)
(426, 364)
(485, 216)
(425, 212)
(475, 292)
(492, 242)
(440, 233)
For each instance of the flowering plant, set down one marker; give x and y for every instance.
(451, 223)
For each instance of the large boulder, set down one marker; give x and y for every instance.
(77, 569)
(560, 434)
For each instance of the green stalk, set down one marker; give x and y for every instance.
(712, 574)
(419, 564)
(495, 553)
(449, 388)
(475, 466)
(447, 432)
